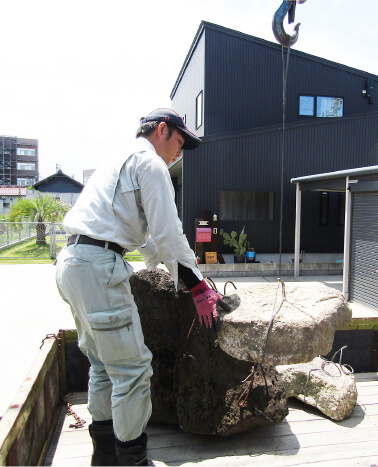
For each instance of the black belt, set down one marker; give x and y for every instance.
(84, 240)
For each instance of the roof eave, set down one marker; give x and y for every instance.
(373, 169)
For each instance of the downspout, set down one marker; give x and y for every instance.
(297, 242)
(347, 228)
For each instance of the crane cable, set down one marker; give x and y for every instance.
(285, 70)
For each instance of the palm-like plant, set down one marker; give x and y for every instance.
(240, 246)
(41, 209)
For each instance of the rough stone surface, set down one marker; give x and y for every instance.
(303, 325)
(195, 384)
(327, 386)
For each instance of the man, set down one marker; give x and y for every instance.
(127, 204)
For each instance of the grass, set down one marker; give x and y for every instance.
(133, 256)
(28, 252)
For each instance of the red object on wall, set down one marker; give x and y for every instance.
(203, 235)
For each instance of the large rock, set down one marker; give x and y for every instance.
(282, 326)
(328, 386)
(210, 386)
(195, 383)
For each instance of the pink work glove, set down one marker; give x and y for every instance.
(206, 300)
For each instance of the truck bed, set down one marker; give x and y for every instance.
(306, 436)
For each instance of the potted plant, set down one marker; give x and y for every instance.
(240, 246)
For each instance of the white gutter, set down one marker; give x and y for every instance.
(373, 169)
(297, 243)
(347, 231)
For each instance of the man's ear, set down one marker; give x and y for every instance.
(161, 128)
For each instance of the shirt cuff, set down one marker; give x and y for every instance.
(150, 256)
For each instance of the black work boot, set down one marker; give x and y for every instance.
(132, 452)
(104, 452)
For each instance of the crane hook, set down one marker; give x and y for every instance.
(287, 7)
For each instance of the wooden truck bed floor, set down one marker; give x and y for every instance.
(305, 437)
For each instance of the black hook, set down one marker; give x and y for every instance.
(287, 7)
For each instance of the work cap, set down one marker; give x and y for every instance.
(170, 116)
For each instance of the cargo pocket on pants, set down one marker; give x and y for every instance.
(114, 335)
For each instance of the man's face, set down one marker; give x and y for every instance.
(171, 146)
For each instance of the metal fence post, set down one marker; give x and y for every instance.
(52, 242)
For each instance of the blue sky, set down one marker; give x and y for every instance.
(78, 74)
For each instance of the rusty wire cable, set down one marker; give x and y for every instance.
(214, 287)
(274, 313)
(228, 282)
(48, 336)
(212, 284)
(342, 368)
(242, 401)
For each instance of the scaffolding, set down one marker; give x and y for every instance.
(8, 160)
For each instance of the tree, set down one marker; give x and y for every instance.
(41, 209)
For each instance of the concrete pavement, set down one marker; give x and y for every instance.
(31, 307)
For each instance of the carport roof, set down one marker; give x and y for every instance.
(332, 181)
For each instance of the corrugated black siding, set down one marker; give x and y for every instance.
(243, 85)
(364, 249)
(252, 161)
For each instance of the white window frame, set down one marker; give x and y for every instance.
(25, 152)
(199, 110)
(25, 166)
(25, 181)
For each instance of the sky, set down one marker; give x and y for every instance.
(78, 74)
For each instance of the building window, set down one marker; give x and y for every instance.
(25, 181)
(307, 105)
(321, 106)
(199, 110)
(246, 205)
(329, 106)
(25, 166)
(25, 152)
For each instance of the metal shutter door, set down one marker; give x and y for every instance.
(364, 249)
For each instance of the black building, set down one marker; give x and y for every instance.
(229, 91)
(59, 183)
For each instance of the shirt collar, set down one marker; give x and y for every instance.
(143, 143)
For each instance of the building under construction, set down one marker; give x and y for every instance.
(18, 161)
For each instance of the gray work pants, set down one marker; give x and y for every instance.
(95, 283)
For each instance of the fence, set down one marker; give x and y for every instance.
(49, 237)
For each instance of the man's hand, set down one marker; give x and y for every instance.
(206, 300)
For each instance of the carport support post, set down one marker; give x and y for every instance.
(297, 244)
(348, 211)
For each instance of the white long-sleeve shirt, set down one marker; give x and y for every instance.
(130, 201)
